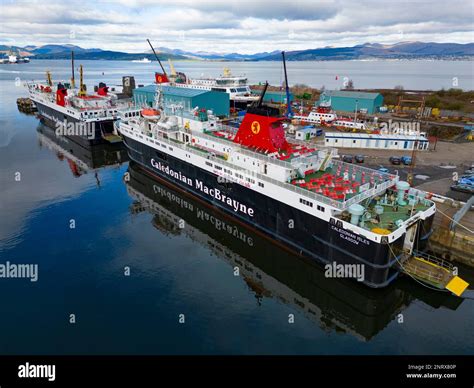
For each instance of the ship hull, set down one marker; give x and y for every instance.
(51, 117)
(326, 242)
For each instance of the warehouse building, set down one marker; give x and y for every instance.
(186, 97)
(376, 141)
(348, 101)
(274, 97)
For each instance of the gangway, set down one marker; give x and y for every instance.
(433, 271)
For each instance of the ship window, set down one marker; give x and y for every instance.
(321, 208)
(261, 184)
(209, 164)
(171, 148)
(305, 202)
(218, 167)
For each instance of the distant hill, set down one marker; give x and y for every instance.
(63, 51)
(214, 55)
(404, 50)
(104, 55)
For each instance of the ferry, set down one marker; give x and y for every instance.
(319, 115)
(236, 87)
(347, 123)
(302, 196)
(85, 117)
(143, 60)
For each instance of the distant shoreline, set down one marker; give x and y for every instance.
(456, 59)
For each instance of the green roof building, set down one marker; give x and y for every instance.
(348, 101)
(187, 97)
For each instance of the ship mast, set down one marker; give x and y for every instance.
(289, 113)
(82, 89)
(156, 56)
(73, 81)
(49, 80)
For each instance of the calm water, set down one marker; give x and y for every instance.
(174, 270)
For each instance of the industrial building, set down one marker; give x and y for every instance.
(274, 97)
(376, 141)
(348, 101)
(188, 98)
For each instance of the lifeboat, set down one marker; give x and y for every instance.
(151, 113)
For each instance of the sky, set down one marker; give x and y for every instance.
(245, 26)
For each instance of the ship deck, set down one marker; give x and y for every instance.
(340, 181)
(387, 220)
(294, 150)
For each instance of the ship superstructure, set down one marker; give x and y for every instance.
(236, 87)
(86, 117)
(303, 196)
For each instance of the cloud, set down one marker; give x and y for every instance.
(228, 26)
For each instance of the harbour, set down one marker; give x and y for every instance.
(265, 187)
(134, 205)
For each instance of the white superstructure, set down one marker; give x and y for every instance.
(236, 86)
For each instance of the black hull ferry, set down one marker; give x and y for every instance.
(88, 118)
(313, 203)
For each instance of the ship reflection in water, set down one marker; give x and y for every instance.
(270, 271)
(82, 159)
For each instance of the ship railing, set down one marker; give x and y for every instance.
(369, 193)
(435, 260)
(244, 151)
(298, 190)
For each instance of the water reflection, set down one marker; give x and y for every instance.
(82, 159)
(269, 270)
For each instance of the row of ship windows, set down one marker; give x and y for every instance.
(325, 115)
(250, 180)
(94, 113)
(159, 144)
(131, 114)
(310, 204)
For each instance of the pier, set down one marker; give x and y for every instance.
(453, 226)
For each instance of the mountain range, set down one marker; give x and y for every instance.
(403, 50)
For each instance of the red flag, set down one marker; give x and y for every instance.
(161, 78)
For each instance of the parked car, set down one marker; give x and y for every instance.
(463, 188)
(395, 160)
(359, 158)
(466, 180)
(406, 160)
(383, 169)
(348, 158)
(470, 171)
